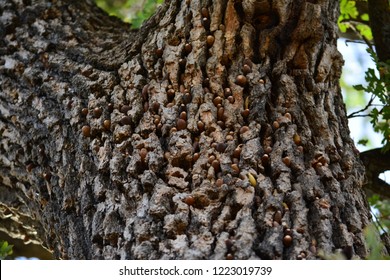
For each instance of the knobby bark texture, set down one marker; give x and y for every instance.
(216, 131)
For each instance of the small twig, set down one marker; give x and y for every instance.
(369, 104)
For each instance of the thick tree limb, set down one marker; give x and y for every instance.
(379, 13)
(376, 161)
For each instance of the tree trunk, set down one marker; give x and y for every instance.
(215, 131)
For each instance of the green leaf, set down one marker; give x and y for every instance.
(358, 87)
(5, 249)
(364, 17)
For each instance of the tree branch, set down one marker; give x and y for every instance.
(376, 161)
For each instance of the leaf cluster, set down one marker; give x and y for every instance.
(378, 85)
(5, 249)
(350, 18)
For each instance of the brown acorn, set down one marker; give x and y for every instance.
(286, 161)
(200, 125)
(287, 240)
(244, 129)
(204, 12)
(246, 69)
(181, 124)
(210, 40)
(143, 152)
(241, 80)
(84, 112)
(126, 120)
(124, 109)
(215, 165)
(107, 124)
(190, 200)
(217, 101)
(86, 130)
(97, 112)
(245, 113)
(221, 147)
(187, 48)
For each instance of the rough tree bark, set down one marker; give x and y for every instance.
(216, 131)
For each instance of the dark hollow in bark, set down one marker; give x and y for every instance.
(215, 131)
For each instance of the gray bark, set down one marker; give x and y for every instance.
(215, 131)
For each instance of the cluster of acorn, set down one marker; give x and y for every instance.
(96, 113)
(231, 249)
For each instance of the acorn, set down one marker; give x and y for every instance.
(288, 116)
(231, 99)
(217, 100)
(206, 22)
(211, 159)
(142, 153)
(144, 92)
(126, 120)
(237, 152)
(110, 107)
(186, 98)
(204, 12)
(297, 139)
(84, 112)
(189, 200)
(229, 256)
(182, 62)
(252, 179)
(265, 158)
(146, 106)
(235, 168)
(195, 157)
(219, 182)
(278, 216)
(248, 62)
(183, 115)
(268, 150)
(244, 129)
(246, 69)
(275, 124)
(107, 124)
(245, 113)
(187, 48)
(241, 80)
(97, 112)
(210, 40)
(200, 125)
(181, 124)
(86, 130)
(155, 107)
(124, 109)
(227, 92)
(286, 161)
(157, 120)
(195, 146)
(171, 93)
(221, 147)
(287, 240)
(220, 113)
(215, 165)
